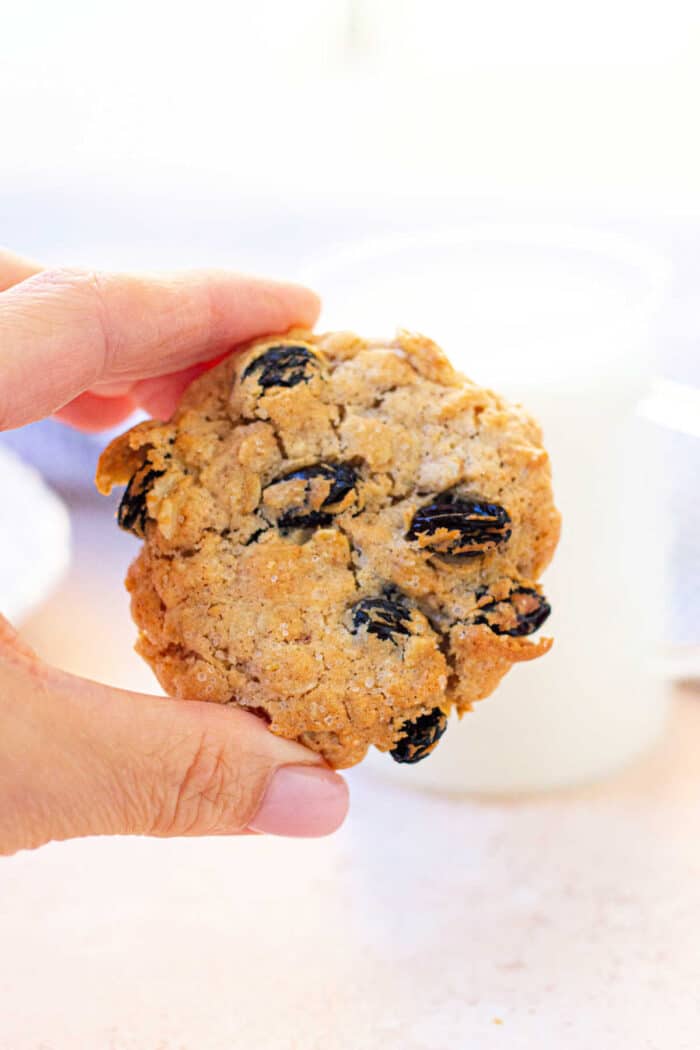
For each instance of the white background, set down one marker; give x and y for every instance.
(544, 100)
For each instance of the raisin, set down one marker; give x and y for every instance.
(463, 527)
(523, 605)
(283, 365)
(133, 512)
(343, 480)
(420, 737)
(382, 616)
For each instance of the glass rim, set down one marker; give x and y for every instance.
(654, 267)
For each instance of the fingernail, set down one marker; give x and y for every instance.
(303, 802)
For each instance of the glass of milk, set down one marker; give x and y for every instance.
(560, 319)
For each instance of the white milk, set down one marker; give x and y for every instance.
(558, 319)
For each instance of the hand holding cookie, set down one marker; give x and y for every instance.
(80, 758)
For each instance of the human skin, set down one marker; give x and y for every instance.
(77, 757)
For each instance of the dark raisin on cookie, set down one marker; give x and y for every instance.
(460, 526)
(342, 478)
(523, 612)
(420, 737)
(254, 537)
(283, 365)
(384, 617)
(133, 512)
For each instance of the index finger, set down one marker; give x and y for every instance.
(63, 331)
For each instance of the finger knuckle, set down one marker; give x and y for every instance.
(91, 289)
(77, 277)
(204, 794)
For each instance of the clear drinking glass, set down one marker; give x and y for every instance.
(560, 319)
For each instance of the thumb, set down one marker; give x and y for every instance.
(85, 759)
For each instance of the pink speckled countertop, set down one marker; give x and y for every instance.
(554, 923)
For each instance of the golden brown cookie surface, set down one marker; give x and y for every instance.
(343, 534)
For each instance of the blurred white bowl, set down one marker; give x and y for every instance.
(34, 538)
